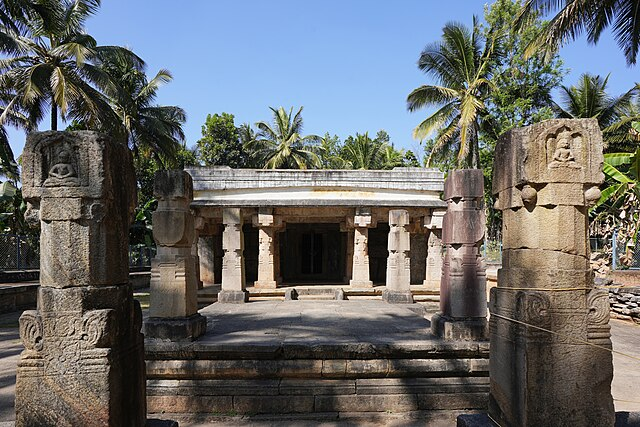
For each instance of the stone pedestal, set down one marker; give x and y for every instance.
(398, 284)
(361, 223)
(463, 304)
(233, 277)
(173, 306)
(83, 362)
(268, 226)
(545, 313)
(433, 271)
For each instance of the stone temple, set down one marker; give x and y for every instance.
(255, 232)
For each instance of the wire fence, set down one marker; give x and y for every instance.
(625, 253)
(23, 253)
(19, 252)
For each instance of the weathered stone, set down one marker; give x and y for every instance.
(366, 403)
(174, 277)
(290, 294)
(434, 260)
(398, 284)
(206, 256)
(463, 307)
(546, 318)
(83, 362)
(233, 277)
(268, 225)
(362, 221)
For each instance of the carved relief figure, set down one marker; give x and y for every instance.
(563, 154)
(63, 170)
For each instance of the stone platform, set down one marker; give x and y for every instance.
(279, 357)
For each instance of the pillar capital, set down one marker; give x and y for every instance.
(362, 219)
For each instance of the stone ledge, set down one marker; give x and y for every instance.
(474, 329)
(175, 329)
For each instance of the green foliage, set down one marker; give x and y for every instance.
(460, 64)
(521, 92)
(221, 143)
(280, 145)
(592, 17)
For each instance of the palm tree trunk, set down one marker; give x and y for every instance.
(54, 116)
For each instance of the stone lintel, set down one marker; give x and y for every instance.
(176, 328)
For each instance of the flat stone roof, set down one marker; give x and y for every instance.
(400, 187)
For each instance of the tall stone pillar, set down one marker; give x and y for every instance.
(362, 221)
(398, 286)
(463, 295)
(268, 225)
(545, 313)
(433, 272)
(345, 227)
(173, 305)
(83, 362)
(233, 277)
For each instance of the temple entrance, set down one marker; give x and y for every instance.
(313, 253)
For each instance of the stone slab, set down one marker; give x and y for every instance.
(176, 329)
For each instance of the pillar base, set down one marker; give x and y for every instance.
(267, 284)
(395, 297)
(176, 328)
(233, 297)
(361, 283)
(432, 285)
(450, 329)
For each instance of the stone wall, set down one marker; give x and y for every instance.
(624, 300)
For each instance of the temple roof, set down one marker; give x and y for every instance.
(399, 187)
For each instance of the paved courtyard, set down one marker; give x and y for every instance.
(324, 322)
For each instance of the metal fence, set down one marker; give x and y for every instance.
(140, 255)
(19, 252)
(624, 254)
(23, 253)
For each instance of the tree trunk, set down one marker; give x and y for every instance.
(54, 116)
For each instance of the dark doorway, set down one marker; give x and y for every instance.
(378, 253)
(312, 253)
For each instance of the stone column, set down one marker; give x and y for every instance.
(173, 305)
(199, 226)
(362, 221)
(398, 286)
(206, 256)
(83, 362)
(463, 295)
(433, 272)
(233, 278)
(348, 262)
(545, 313)
(267, 225)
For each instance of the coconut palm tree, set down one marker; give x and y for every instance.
(149, 129)
(590, 17)
(460, 65)
(280, 145)
(589, 99)
(363, 152)
(50, 65)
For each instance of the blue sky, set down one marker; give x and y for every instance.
(350, 63)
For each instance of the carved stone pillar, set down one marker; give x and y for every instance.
(200, 225)
(206, 257)
(173, 306)
(233, 277)
(267, 225)
(463, 295)
(362, 221)
(433, 272)
(83, 362)
(545, 177)
(398, 285)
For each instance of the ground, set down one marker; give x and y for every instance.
(625, 336)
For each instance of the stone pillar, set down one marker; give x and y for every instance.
(348, 262)
(206, 257)
(267, 225)
(545, 313)
(398, 285)
(463, 295)
(362, 221)
(433, 273)
(199, 226)
(233, 278)
(173, 305)
(83, 362)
